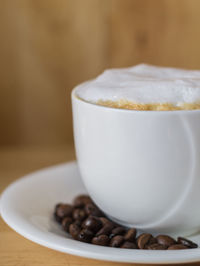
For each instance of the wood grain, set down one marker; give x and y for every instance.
(158, 32)
(56, 45)
(16, 250)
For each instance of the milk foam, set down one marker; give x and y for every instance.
(143, 84)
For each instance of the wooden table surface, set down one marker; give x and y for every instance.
(14, 249)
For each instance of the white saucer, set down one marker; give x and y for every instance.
(27, 206)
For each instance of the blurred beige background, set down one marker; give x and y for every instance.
(49, 46)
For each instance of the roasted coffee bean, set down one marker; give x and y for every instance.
(165, 240)
(64, 210)
(152, 241)
(81, 200)
(74, 230)
(66, 223)
(92, 223)
(129, 245)
(105, 230)
(143, 240)
(57, 206)
(156, 246)
(79, 214)
(177, 246)
(78, 223)
(93, 210)
(105, 221)
(116, 241)
(58, 219)
(118, 231)
(86, 222)
(186, 242)
(85, 235)
(130, 235)
(102, 240)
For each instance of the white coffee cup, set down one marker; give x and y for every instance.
(142, 168)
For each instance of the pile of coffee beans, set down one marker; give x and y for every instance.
(85, 222)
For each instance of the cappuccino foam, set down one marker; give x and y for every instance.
(143, 84)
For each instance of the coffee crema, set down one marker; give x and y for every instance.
(124, 104)
(144, 87)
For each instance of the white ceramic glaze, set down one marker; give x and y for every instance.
(141, 167)
(27, 207)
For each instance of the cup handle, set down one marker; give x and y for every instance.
(190, 181)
